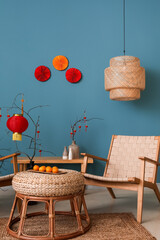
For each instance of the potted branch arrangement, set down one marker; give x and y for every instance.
(77, 125)
(18, 124)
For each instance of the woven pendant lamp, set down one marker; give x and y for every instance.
(125, 78)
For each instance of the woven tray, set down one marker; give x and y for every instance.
(51, 173)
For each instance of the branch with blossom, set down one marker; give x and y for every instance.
(34, 143)
(83, 121)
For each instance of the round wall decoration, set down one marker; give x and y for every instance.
(42, 73)
(73, 75)
(60, 62)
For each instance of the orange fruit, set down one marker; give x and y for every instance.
(55, 169)
(36, 168)
(42, 169)
(48, 169)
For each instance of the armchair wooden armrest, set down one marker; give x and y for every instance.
(143, 163)
(86, 156)
(14, 156)
(146, 159)
(9, 156)
(93, 156)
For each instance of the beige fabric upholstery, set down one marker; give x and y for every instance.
(107, 179)
(7, 177)
(124, 162)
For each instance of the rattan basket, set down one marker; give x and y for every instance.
(125, 78)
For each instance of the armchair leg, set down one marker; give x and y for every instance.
(140, 203)
(110, 190)
(156, 190)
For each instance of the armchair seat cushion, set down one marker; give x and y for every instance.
(111, 179)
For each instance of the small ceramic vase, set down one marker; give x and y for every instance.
(70, 155)
(65, 153)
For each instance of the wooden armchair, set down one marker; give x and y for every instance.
(7, 180)
(132, 164)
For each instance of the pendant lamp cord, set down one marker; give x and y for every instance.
(124, 26)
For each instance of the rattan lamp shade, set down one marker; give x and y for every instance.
(125, 78)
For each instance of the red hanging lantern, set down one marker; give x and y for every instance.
(79, 128)
(17, 124)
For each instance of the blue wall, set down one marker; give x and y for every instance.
(88, 33)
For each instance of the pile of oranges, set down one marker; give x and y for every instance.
(45, 169)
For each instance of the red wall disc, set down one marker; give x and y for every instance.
(42, 73)
(73, 75)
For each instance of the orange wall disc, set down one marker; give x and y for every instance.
(60, 62)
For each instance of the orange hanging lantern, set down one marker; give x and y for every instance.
(17, 124)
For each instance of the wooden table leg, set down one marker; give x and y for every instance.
(84, 165)
(15, 165)
(20, 167)
(24, 167)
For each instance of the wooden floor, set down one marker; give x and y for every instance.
(99, 201)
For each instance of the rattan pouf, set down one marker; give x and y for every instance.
(49, 188)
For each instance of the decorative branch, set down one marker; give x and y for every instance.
(40, 106)
(34, 138)
(83, 120)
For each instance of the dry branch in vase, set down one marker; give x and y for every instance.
(16, 123)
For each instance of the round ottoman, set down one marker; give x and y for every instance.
(49, 188)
